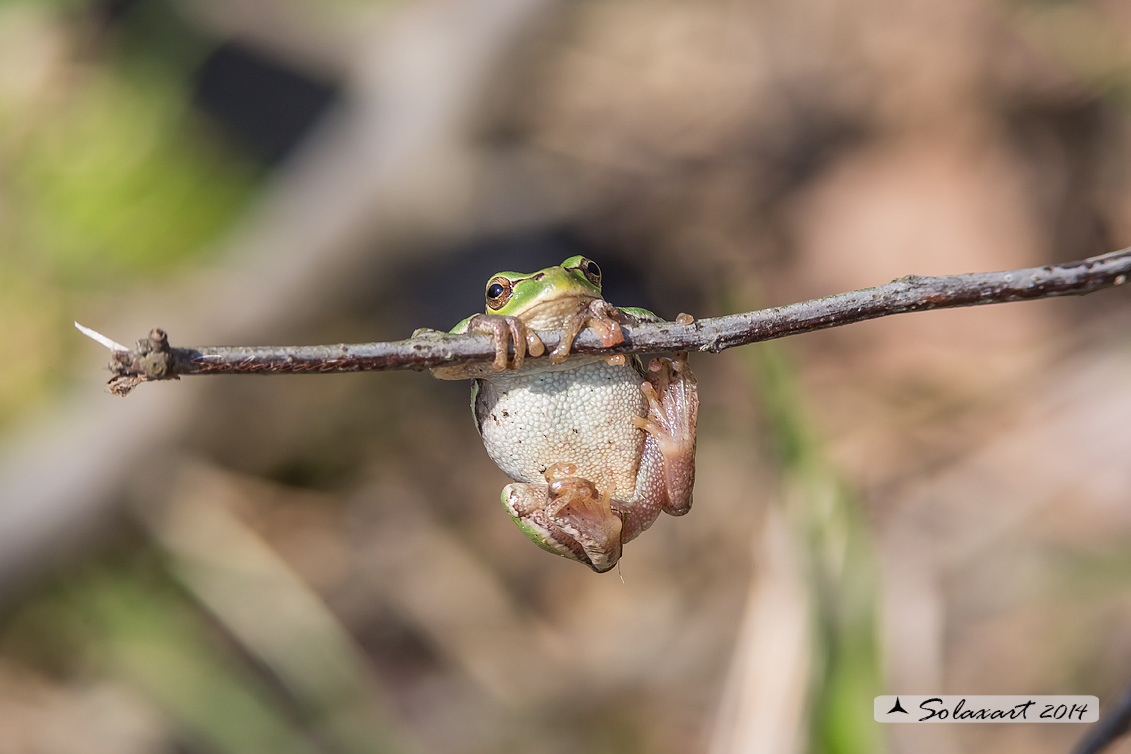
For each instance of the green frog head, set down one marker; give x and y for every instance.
(546, 299)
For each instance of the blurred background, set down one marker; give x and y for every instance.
(935, 503)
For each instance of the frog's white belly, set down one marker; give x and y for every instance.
(578, 415)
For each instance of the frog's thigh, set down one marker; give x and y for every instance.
(576, 523)
(669, 448)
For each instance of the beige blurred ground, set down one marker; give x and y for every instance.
(321, 564)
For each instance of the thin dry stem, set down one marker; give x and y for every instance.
(154, 359)
(99, 338)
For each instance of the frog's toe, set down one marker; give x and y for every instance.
(504, 331)
(534, 344)
(517, 332)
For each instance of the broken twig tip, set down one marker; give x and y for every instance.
(98, 337)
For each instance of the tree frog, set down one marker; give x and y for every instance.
(597, 446)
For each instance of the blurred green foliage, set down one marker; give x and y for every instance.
(108, 177)
(121, 182)
(827, 521)
(128, 624)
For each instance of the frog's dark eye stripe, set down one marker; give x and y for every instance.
(498, 292)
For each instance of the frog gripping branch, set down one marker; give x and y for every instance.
(597, 444)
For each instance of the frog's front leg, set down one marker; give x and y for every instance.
(667, 465)
(505, 331)
(602, 317)
(568, 517)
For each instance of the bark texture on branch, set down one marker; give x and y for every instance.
(154, 359)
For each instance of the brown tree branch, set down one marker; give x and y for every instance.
(154, 359)
(1115, 724)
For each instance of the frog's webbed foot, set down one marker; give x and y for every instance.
(568, 517)
(673, 404)
(605, 320)
(504, 331)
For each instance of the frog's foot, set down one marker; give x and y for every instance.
(505, 330)
(673, 404)
(568, 516)
(602, 317)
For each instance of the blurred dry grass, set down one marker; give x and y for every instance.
(939, 502)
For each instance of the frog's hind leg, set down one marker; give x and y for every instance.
(669, 448)
(568, 517)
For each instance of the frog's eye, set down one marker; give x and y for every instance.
(498, 292)
(591, 271)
